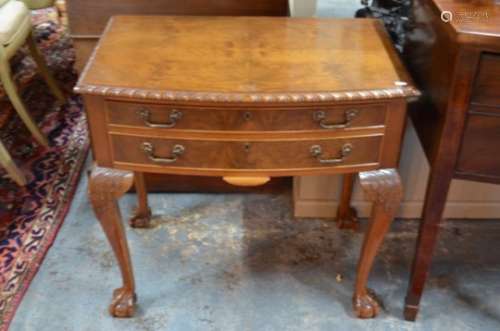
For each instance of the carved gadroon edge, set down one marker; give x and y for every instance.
(401, 89)
(135, 93)
(383, 187)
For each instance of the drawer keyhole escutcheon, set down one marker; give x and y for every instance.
(247, 115)
(173, 118)
(317, 152)
(149, 150)
(350, 115)
(247, 147)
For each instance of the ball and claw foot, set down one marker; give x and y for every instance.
(365, 306)
(141, 220)
(349, 220)
(123, 304)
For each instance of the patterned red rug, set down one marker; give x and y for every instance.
(30, 217)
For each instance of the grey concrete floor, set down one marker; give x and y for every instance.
(242, 262)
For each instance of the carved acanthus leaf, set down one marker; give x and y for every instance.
(383, 187)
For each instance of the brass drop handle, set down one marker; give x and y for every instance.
(350, 115)
(174, 116)
(317, 152)
(149, 149)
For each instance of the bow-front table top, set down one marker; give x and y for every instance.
(231, 59)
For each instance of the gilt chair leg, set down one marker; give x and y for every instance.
(43, 69)
(12, 93)
(12, 170)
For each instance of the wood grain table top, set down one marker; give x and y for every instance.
(245, 59)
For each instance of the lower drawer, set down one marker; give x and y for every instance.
(245, 155)
(480, 152)
(486, 89)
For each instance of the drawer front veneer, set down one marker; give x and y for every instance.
(480, 147)
(245, 155)
(167, 117)
(486, 89)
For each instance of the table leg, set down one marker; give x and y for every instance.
(105, 187)
(142, 215)
(346, 215)
(383, 187)
(435, 201)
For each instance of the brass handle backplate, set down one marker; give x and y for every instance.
(149, 149)
(317, 152)
(174, 116)
(350, 115)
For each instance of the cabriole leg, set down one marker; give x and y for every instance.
(383, 187)
(142, 215)
(346, 215)
(105, 187)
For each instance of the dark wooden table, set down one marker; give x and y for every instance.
(244, 99)
(455, 59)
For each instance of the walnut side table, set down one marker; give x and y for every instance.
(244, 99)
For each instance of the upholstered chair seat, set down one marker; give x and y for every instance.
(38, 4)
(14, 20)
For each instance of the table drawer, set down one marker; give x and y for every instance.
(486, 89)
(479, 154)
(261, 155)
(165, 117)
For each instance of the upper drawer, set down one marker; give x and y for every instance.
(168, 117)
(487, 85)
